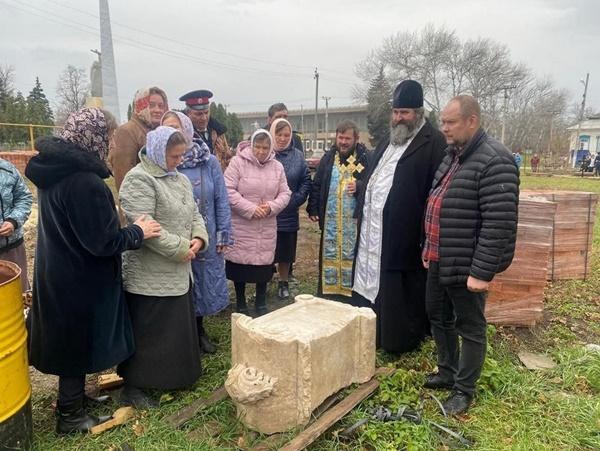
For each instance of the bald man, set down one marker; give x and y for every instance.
(470, 234)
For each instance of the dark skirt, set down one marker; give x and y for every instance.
(285, 252)
(167, 355)
(238, 272)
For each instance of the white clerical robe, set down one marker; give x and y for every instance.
(367, 270)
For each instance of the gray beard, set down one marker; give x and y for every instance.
(401, 133)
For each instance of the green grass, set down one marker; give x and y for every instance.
(515, 409)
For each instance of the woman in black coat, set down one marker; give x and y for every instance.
(288, 221)
(79, 320)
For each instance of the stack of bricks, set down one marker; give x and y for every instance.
(19, 158)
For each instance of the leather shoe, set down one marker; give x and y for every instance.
(206, 345)
(436, 382)
(458, 402)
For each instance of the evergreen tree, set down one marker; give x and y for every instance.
(378, 108)
(16, 113)
(230, 121)
(129, 111)
(235, 130)
(38, 109)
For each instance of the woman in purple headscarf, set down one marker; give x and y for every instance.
(79, 319)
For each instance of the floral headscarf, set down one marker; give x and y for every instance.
(87, 129)
(272, 131)
(197, 150)
(141, 103)
(156, 146)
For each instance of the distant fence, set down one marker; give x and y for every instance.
(22, 136)
(17, 142)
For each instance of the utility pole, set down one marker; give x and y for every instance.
(550, 140)
(505, 114)
(577, 141)
(302, 119)
(316, 108)
(327, 99)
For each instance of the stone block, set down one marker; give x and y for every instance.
(286, 363)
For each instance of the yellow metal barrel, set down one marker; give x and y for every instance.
(15, 388)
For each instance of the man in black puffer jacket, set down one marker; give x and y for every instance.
(470, 230)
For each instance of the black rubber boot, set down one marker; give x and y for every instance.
(73, 418)
(206, 345)
(261, 305)
(241, 306)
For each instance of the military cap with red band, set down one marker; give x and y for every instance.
(197, 100)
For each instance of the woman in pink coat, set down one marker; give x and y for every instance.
(258, 191)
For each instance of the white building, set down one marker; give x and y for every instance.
(589, 139)
(303, 121)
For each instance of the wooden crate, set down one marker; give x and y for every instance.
(570, 256)
(516, 296)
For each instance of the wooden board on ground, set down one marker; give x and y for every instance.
(336, 413)
(109, 381)
(121, 416)
(516, 296)
(182, 416)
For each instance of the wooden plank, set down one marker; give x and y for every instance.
(182, 416)
(332, 416)
(109, 381)
(121, 416)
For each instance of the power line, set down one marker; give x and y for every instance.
(151, 48)
(166, 38)
(218, 52)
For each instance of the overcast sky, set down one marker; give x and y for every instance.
(252, 53)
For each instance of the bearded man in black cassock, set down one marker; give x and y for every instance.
(388, 272)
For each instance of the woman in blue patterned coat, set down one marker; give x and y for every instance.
(15, 207)
(204, 171)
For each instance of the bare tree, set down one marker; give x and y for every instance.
(6, 86)
(534, 112)
(72, 91)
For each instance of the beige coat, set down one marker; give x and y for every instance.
(158, 267)
(127, 141)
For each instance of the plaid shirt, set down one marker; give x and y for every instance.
(432, 214)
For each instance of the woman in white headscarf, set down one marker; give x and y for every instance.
(258, 192)
(204, 171)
